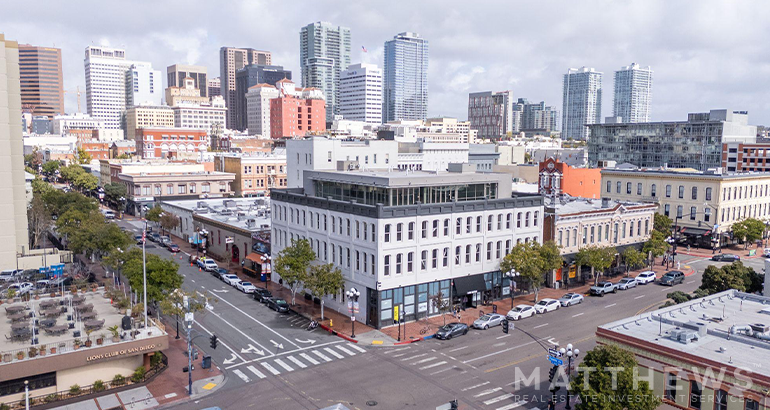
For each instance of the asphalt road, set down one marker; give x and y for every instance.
(272, 362)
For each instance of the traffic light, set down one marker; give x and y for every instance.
(552, 373)
(505, 326)
(214, 341)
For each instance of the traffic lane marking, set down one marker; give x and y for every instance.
(221, 342)
(476, 386)
(258, 322)
(579, 314)
(609, 306)
(539, 326)
(240, 331)
(639, 297)
(488, 391)
(534, 356)
(505, 350)
(284, 354)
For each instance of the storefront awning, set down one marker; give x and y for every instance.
(256, 257)
(696, 231)
(468, 284)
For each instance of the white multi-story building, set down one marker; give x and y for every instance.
(78, 121)
(258, 108)
(361, 93)
(491, 114)
(633, 93)
(431, 156)
(143, 85)
(321, 153)
(402, 237)
(201, 116)
(106, 83)
(582, 102)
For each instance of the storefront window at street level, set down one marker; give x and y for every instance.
(39, 381)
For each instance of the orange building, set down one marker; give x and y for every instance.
(96, 149)
(291, 116)
(557, 178)
(170, 142)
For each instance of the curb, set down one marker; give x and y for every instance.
(335, 333)
(419, 339)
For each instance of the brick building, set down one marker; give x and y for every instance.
(557, 178)
(254, 175)
(170, 142)
(740, 157)
(95, 148)
(296, 112)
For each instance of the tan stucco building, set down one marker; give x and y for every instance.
(254, 175)
(148, 116)
(704, 204)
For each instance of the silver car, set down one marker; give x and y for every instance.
(627, 283)
(488, 320)
(571, 299)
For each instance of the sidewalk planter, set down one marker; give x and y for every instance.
(7, 358)
(20, 355)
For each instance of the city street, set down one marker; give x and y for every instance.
(274, 362)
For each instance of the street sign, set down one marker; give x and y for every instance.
(352, 318)
(555, 361)
(395, 313)
(554, 352)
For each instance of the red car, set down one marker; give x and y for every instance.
(172, 247)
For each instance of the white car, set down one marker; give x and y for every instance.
(245, 287)
(547, 305)
(488, 320)
(520, 312)
(10, 275)
(21, 288)
(231, 279)
(627, 283)
(570, 299)
(645, 277)
(209, 265)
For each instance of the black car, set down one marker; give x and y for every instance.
(279, 305)
(672, 278)
(451, 330)
(262, 295)
(725, 257)
(219, 273)
(138, 239)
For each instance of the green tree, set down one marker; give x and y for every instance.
(633, 259)
(153, 215)
(734, 276)
(51, 167)
(525, 259)
(292, 264)
(114, 191)
(83, 157)
(162, 274)
(168, 221)
(86, 181)
(599, 259)
(173, 302)
(34, 159)
(324, 280)
(662, 224)
(39, 221)
(551, 256)
(594, 382)
(441, 303)
(41, 188)
(656, 245)
(749, 230)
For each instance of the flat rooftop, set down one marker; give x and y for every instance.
(716, 315)
(251, 214)
(684, 172)
(396, 178)
(580, 205)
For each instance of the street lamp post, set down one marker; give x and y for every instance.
(353, 295)
(144, 273)
(572, 354)
(512, 274)
(26, 394)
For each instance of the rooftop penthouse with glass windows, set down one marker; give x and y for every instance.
(401, 237)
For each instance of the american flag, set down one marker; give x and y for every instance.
(363, 48)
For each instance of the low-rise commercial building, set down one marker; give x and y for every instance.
(170, 142)
(558, 178)
(483, 156)
(746, 157)
(148, 116)
(206, 116)
(706, 353)
(296, 112)
(255, 175)
(431, 156)
(146, 188)
(96, 149)
(402, 237)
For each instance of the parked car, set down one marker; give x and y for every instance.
(208, 264)
(42, 285)
(138, 239)
(547, 305)
(520, 312)
(220, 273)
(488, 320)
(766, 253)
(627, 283)
(725, 257)
(279, 305)
(231, 279)
(108, 214)
(10, 275)
(571, 299)
(645, 277)
(602, 288)
(262, 295)
(60, 282)
(672, 278)
(165, 240)
(451, 330)
(155, 237)
(245, 287)
(21, 288)
(172, 247)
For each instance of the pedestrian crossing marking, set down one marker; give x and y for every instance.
(284, 365)
(296, 361)
(423, 360)
(414, 357)
(241, 375)
(513, 405)
(475, 386)
(488, 391)
(346, 350)
(432, 365)
(333, 353)
(321, 355)
(360, 349)
(271, 369)
(308, 358)
(499, 398)
(256, 372)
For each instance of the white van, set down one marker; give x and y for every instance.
(10, 275)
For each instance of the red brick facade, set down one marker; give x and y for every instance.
(290, 116)
(169, 142)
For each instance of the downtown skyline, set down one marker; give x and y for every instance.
(695, 69)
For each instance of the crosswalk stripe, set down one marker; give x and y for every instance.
(241, 375)
(488, 391)
(321, 355)
(284, 365)
(498, 398)
(475, 386)
(345, 350)
(308, 358)
(296, 361)
(256, 372)
(360, 349)
(423, 361)
(394, 350)
(271, 369)
(414, 357)
(432, 365)
(513, 405)
(333, 353)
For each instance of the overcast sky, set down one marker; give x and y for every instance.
(705, 54)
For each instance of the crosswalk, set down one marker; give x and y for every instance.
(292, 361)
(484, 394)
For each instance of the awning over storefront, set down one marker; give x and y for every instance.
(468, 284)
(695, 231)
(255, 257)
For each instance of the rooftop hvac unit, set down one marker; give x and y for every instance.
(760, 327)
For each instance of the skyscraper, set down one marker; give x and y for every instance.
(361, 93)
(248, 77)
(215, 87)
(324, 54)
(582, 102)
(13, 201)
(106, 83)
(178, 72)
(536, 116)
(143, 85)
(405, 87)
(232, 59)
(633, 93)
(491, 114)
(42, 87)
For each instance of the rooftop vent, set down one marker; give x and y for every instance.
(760, 327)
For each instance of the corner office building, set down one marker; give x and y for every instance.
(401, 237)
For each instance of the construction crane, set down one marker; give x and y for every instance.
(77, 91)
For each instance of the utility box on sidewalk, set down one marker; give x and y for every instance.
(206, 363)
